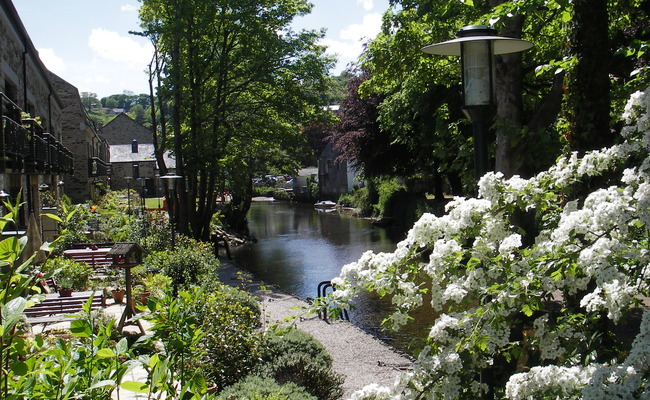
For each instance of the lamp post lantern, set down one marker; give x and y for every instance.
(171, 178)
(477, 45)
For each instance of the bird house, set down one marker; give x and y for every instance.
(126, 254)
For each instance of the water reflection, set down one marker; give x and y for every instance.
(298, 247)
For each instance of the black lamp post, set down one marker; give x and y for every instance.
(128, 194)
(171, 178)
(477, 45)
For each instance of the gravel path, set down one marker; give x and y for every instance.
(360, 357)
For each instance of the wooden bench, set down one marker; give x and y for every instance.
(55, 308)
(92, 255)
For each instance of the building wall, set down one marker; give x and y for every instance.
(23, 77)
(147, 169)
(123, 129)
(81, 138)
(25, 81)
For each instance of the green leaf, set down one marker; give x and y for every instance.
(104, 383)
(106, 353)
(527, 310)
(137, 387)
(19, 368)
(11, 313)
(81, 328)
(54, 217)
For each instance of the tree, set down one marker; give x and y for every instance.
(239, 83)
(548, 316)
(530, 113)
(89, 99)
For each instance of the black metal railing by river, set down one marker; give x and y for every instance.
(323, 313)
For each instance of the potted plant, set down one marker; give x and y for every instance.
(65, 287)
(69, 274)
(118, 291)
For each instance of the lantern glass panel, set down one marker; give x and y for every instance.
(477, 85)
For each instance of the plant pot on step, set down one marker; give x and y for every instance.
(65, 292)
(118, 295)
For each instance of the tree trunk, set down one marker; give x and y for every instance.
(589, 87)
(509, 103)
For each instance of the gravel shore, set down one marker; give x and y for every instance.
(357, 355)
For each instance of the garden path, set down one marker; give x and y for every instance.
(357, 355)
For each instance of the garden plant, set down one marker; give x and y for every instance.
(531, 283)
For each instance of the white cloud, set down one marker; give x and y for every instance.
(368, 29)
(53, 62)
(111, 46)
(128, 8)
(367, 4)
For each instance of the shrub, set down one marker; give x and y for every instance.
(256, 388)
(295, 356)
(190, 263)
(318, 380)
(119, 227)
(292, 341)
(232, 343)
(358, 198)
(212, 332)
(74, 223)
(76, 273)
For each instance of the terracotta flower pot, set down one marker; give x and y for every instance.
(65, 292)
(118, 295)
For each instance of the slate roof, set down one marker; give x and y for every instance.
(122, 153)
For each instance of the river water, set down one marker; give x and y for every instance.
(298, 247)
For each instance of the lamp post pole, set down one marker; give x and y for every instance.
(128, 194)
(477, 45)
(171, 181)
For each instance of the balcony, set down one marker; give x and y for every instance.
(13, 137)
(36, 158)
(98, 167)
(25, 147)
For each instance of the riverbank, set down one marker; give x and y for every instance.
(357, 355)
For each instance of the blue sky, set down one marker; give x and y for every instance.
(87, 43)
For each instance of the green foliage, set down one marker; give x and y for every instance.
(276, 193)
(73, 221)
(243, 83)
(190, 263)
(292, 341)
(359, 198)
(255, 388)
(213, 332)
(121, 227)
(295, 356)
(386, 189)
(318, 380)
(69, 273)
(158, 232)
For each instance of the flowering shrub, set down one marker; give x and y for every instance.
(527, 281)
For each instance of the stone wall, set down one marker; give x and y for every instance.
(123, 129)
(20, 64)
(80, 137)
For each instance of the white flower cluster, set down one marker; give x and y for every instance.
(629, 380)
(372, 392)
(480, 275)
(549, 382)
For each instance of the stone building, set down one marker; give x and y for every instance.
(92, 168)
(335, 177)
(132, 156)
(32, 155)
